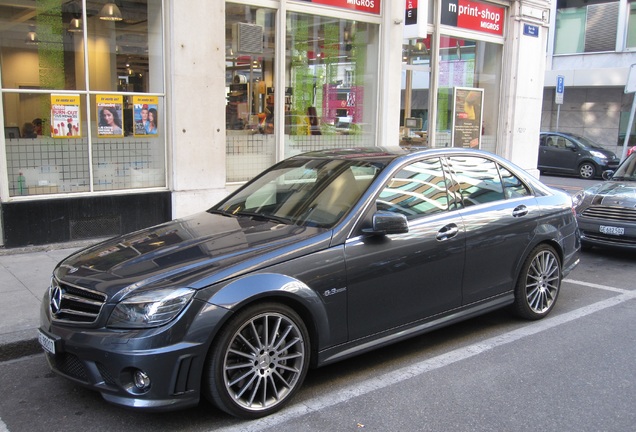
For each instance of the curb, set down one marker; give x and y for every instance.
(19, 349)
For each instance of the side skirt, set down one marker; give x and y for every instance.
(350, 349)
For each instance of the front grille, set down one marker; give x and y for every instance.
(71, 303)
(618, 214)
(68, 364)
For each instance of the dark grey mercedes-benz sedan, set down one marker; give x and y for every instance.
(323, 256)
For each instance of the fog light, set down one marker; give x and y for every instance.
(142, 380)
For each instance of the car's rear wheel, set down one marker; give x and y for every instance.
(258, 362)
(539, 283)
(587, 170)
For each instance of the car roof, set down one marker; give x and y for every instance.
(387, 154)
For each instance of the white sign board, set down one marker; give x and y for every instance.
(560, 88)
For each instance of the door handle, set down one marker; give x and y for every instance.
(520, 211)
(449, 231)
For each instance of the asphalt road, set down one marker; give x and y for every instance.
(574, 371)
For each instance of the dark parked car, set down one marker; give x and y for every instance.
(566, 153)
(606, 212)
(323, 256)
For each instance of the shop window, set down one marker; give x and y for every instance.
(249, 84)
(331, 83)
(586, 26)
(53, 115)
(469, 78)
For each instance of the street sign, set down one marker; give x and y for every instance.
(560, 88)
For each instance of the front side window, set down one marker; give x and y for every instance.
(76, 126)
(420, 189)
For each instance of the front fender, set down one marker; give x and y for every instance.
(271, 286)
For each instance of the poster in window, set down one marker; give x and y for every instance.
(467, 112)
(146, 116)
(65, 116)
(110, 110)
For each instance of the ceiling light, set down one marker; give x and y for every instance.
(75, 26)
(110, 12)
(32, 36)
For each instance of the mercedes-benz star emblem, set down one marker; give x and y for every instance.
(56, 299)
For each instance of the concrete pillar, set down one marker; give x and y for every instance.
(522, 84)
(194, 106)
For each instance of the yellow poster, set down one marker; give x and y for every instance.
(146, 116)
(65, 116)
(110, 110)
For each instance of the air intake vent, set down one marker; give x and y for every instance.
(247, 38)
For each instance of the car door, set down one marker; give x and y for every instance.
(550, 155)
(499, 215)
(396, 279)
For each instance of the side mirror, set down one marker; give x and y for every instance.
(607, 175)
(385, 222)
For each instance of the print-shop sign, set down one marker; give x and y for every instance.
(415, 19)
(473, 15)
(370, 6)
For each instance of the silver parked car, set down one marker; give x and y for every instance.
(606, 212)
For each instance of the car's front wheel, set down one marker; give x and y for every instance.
(258, 362)
(538, 284)
(587, 170)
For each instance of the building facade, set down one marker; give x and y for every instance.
(119, 115)
(592, 45)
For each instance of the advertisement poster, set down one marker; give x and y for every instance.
(145, 115)
(110, 110)
(65, 116)
(467, 112)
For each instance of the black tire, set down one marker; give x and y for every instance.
(587, 170)
(258, 361)
(539, 283)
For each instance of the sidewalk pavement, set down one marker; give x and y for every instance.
(25, 274)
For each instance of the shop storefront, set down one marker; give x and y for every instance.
(143, 111)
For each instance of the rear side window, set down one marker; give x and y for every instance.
(478, 179)
(513, 186)
(417, 190)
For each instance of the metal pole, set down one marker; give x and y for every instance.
(558, 114)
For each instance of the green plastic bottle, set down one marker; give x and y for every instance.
(21, 184)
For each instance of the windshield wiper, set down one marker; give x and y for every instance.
(266, 217)
(220, 212)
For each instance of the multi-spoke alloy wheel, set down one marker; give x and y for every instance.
(539, 283)
(259, 361)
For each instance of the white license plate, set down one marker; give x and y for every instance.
(617, 231)
(46, 342)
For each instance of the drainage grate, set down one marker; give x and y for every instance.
(98, 227)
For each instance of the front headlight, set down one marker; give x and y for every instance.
(598, 154)
(150, 309)
(577, 198)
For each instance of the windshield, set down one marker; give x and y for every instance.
(315, 192)
(627, 170)
(587, 142)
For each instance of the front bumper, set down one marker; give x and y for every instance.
(106, 360)
(617, 233)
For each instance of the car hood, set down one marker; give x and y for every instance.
(613, 193)
(195, 251)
